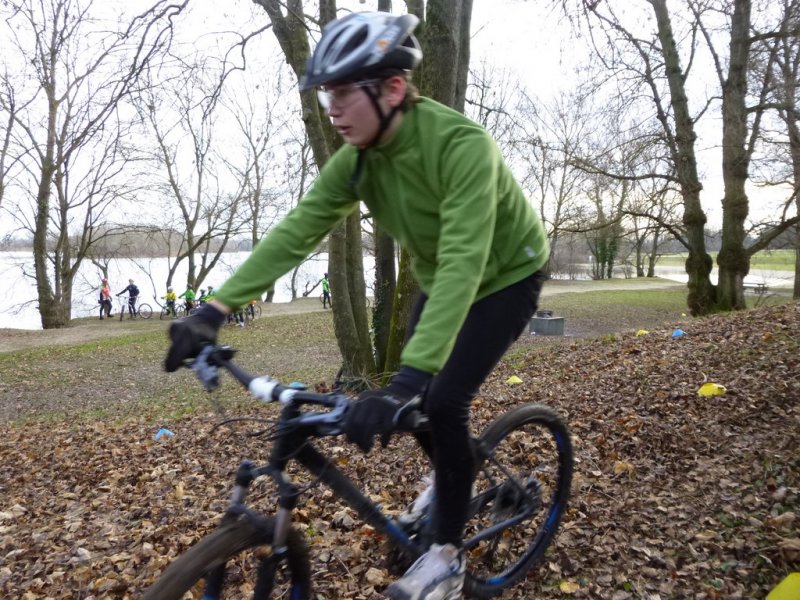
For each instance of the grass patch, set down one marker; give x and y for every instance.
(121, 378)
(608, 312)
(769, 260)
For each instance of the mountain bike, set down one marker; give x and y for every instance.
(252, 311)
(181, 310)
(167, 313)
(520, 494)
(143, 310)
(326, 301)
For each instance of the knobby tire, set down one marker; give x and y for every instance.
(209, 557)
(548, 449)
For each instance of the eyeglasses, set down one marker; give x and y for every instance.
(344, 94)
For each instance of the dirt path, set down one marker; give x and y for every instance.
(86, 330)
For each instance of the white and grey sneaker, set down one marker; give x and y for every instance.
(420, 504)
(436, 575)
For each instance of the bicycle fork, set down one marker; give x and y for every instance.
(287, 500)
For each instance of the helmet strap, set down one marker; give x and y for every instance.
(384, 120)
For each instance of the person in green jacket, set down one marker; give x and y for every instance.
(189, 296)
(326, 292)
(437, 183)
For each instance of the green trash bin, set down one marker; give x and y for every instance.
(544, 323)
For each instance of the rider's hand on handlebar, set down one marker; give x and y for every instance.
(190, 334)
(375, 410)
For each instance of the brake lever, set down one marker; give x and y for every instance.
(412, 408)
(206, 368)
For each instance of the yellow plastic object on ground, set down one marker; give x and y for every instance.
(711, 389)
(513, 379)
(788, 589)
(642, 332)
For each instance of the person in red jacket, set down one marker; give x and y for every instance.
(105, 299)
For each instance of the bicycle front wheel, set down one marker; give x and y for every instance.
(145, 311)
(238, 557)
(520, 495)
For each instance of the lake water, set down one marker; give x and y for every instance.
(18, 302)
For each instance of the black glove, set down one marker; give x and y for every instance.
(374, 411)
(190, 334)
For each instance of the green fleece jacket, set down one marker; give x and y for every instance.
(440, 187)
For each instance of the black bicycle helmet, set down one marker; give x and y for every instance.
(362, 43)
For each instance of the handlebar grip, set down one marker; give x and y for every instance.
(263, 388)
(410, 416)
(412, 421)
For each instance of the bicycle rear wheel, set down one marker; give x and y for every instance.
(144, 311)
(238, 558)
(521, 489)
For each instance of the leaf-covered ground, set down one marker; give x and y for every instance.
(674, 496)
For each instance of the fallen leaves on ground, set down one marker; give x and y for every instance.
(675, 495)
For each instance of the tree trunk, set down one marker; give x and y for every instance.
(796, 291)
(51, 313)
(702, 295)
(354, 260)
(385, 284)
(733, 259)
(350, 345)
(445, 43)
(405, 294)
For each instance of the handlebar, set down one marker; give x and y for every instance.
(265, 388)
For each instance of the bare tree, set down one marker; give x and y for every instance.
(548, 142)
(182, 114)
(75, 73)
(292, 28)
(777, 60)
(8, 104)
(662, 62)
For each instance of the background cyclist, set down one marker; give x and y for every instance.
(133, 295)
(188, 295)
(326, 292)
(171, 298)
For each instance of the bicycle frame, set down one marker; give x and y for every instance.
(296, 446)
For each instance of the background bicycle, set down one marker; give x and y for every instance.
(181, 310)
(143, 310)
(252, 310)
(520, 495)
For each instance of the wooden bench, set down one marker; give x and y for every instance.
(759, 288)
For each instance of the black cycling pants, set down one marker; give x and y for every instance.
(491, 326)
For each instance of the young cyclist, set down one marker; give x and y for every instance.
(133, 295)
(189, 296)
(326, 292)
(171, 298)
(437, 183)
(105, 299)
